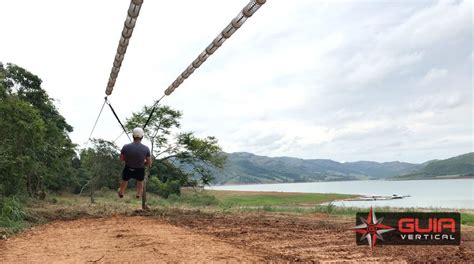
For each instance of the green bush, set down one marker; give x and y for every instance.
(103, 192)
(199, 199)
(330, 207)
(163, 189)
(12, 216)
(173, 198)
(467, 219)
(12, 209)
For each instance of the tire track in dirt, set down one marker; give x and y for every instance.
(313, 238)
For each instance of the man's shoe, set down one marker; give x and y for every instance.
(120, 195)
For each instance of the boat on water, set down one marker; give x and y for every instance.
(378, 197)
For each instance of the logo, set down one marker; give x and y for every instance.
(372, 228)
(418, 228)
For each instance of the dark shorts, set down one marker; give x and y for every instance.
(133, 173)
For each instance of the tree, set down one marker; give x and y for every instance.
(22, 141)
(48, 150)
(3, 87)
(59, 150)
(100, 165)
(181, 157)
(27, 87)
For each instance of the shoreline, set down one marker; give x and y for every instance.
(349, 199)
(468, 177)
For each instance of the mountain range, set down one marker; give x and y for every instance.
(246, 168)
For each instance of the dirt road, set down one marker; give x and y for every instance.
(117, 239)
(204, 237)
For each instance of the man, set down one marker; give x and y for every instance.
(136, 156)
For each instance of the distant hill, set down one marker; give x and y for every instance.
(455, 166)
(385, 169)
(245, 167)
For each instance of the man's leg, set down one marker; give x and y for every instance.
(123, 187)
(139, 189)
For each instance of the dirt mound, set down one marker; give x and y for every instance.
(193, 236)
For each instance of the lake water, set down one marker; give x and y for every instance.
(458, 193)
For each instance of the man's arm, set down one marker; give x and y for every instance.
(148, 158)
(148, 161)
(122, 153)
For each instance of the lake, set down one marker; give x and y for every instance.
(453, 193)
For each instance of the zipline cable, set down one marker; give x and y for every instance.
(226, 33)
(128, 26)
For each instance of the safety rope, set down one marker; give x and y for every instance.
(119, 136)
(152, 111)
(118, 119)
(97, 120)
(128, 26)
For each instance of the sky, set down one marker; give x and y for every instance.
(343, 80)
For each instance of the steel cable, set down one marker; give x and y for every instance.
(226, 33)
(128, 26)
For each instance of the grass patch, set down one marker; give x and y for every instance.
(186, 199)
(195, 199)
(467, 219)
(16, 215)
(234, 198)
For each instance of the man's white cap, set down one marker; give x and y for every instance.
(138, 132)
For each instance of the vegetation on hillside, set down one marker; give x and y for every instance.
(459, 166)
(249, 168)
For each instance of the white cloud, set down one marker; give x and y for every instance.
(433, 75)
(438, 23)
(347, 80)
(378, 65)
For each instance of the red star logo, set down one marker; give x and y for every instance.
(372, 228)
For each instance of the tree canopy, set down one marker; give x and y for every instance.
(179, 156)
(36, 150)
